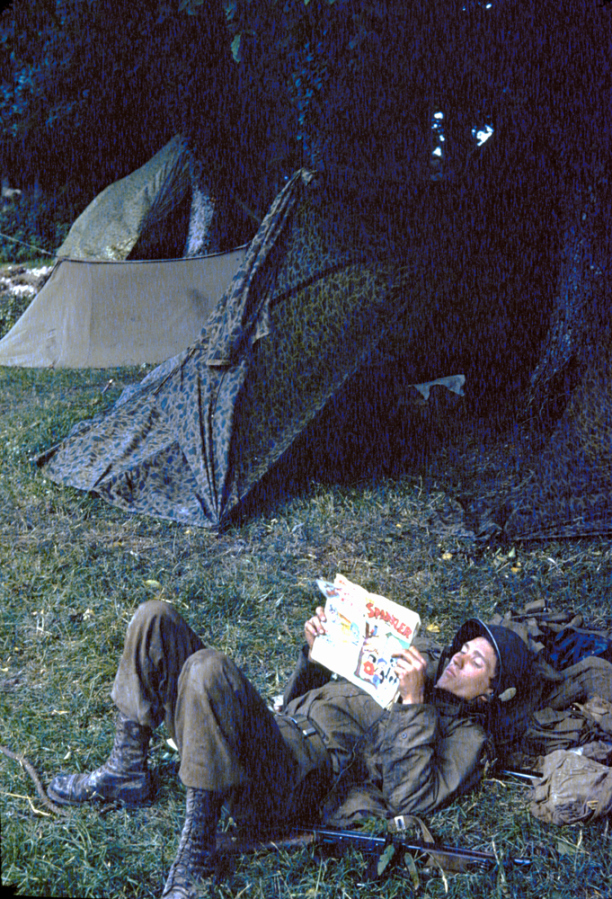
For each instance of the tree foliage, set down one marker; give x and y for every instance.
(261, 85)
(91, 88)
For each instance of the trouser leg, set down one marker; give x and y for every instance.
(157, 644)
(229, 740)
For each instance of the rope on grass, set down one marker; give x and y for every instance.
(31, 246)
(56, 809)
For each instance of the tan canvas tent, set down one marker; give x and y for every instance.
(105, 314)
(101, 309)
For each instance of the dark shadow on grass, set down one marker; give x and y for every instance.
(375, 427)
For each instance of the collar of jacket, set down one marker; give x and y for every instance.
(451, 706)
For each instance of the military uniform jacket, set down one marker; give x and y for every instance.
(407, 759)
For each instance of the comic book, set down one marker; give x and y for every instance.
(363, 633)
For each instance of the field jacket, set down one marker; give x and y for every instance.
(407, 759)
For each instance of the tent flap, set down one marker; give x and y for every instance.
(122, 214)
(106, 314)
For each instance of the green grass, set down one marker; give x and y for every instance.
(73, 570)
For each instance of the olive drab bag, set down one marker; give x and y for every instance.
(569, 737)
(576, 785)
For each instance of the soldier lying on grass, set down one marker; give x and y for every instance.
(332, 751)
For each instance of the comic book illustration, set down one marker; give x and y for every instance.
(363, 633)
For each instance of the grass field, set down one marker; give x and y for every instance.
(73, 570)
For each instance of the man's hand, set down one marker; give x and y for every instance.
(314, 626)
(411, 667)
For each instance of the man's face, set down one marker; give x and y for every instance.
(470, 672)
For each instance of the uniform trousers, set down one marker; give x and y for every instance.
(228, 739)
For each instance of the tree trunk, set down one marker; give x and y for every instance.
(200, 236)
(572, 335)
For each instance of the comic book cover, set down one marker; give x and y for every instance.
(363, 632)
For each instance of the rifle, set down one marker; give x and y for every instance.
(443, 855)
(385, 850)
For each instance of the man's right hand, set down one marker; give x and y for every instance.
(411, 670)
(314, 626)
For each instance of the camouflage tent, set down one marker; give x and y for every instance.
(316, 292)
(321, 292)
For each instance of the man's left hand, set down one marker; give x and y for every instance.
(314, 627)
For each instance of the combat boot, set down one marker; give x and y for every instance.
(124, 777)
(191, 871)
